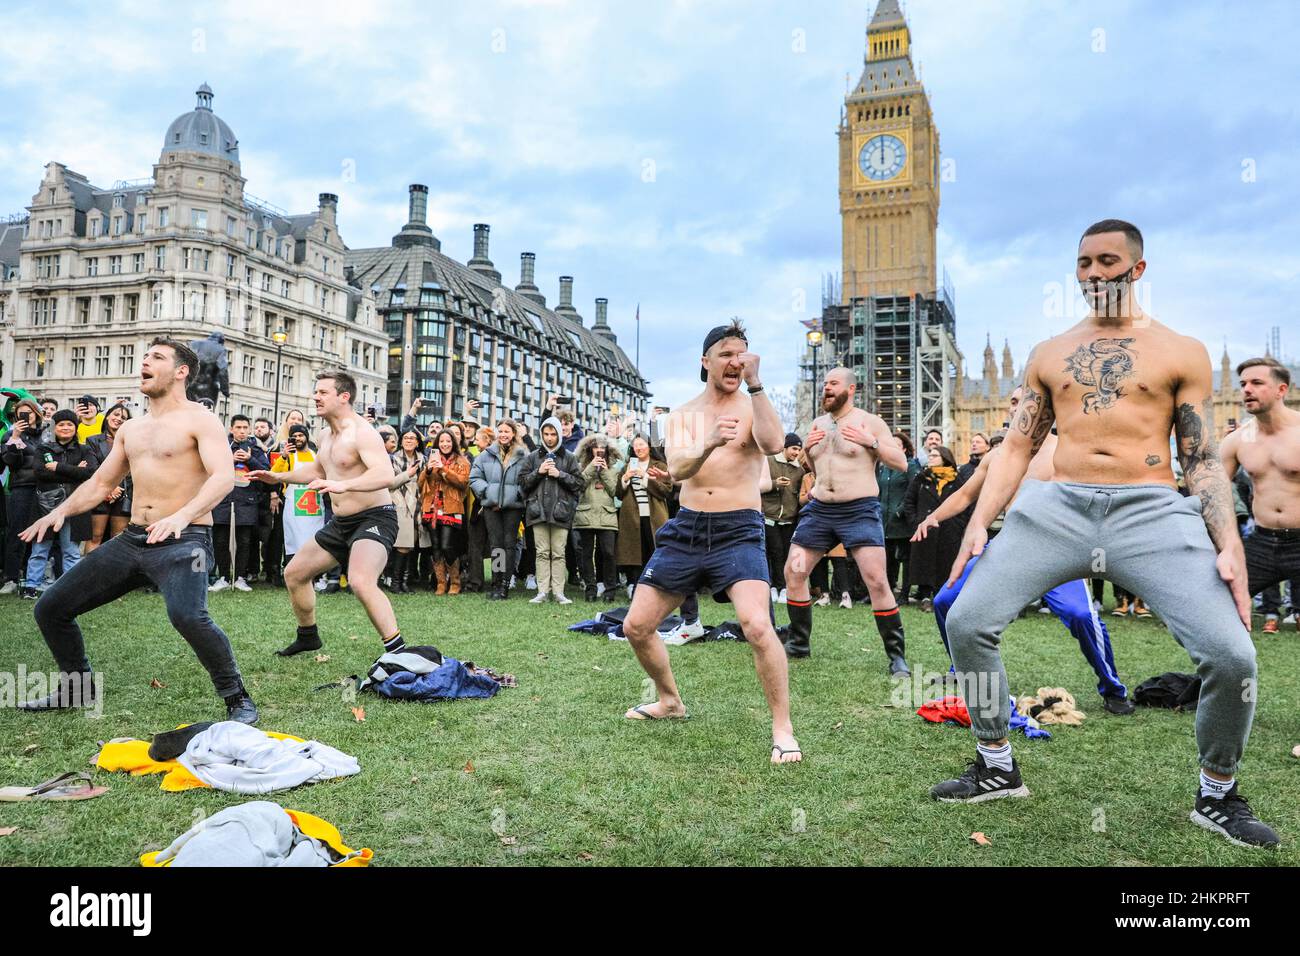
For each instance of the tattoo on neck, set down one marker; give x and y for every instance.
(1102, 365)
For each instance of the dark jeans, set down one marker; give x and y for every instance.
(260, 560)
(1271, 558)
(242, 559)
(897, 551)
(778, 546)
(22, 511)
(503, 536)
(595, 542)
(178, 567)
(476, 548)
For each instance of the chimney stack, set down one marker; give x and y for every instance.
(416, 232)
(527, 286)
(482, 262)
(566, 293)
(602, 321)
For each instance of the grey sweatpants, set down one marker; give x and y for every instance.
(1147, 539)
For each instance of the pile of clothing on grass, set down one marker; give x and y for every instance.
(422, 674)
(951, 709)
(260, 834)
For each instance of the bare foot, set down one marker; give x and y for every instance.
(659, 710)
(785, 749)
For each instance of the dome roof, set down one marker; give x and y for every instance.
(202, 131)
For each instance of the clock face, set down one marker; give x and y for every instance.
(882, 157)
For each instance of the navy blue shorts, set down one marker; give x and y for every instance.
(855, 524)
(713, 548)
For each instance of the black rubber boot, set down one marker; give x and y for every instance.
(890, 625)
(800, 631)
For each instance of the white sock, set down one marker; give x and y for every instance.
(996, 757)
(1215, 789)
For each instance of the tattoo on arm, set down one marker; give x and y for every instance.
(1035, 415)
(1202, 469)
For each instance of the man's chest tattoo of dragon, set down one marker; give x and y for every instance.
(1102, 366)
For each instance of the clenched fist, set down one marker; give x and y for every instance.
(749, 368)
(725, 428)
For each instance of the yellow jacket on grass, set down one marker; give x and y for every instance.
(132, 756)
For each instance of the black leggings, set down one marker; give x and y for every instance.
(448, 542)
(593, 543)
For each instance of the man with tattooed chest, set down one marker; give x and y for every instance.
(1114, 385)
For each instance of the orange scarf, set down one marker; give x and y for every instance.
(942, 475)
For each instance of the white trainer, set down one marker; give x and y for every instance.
(561, 599)
(780, 598)
(9, 588)
(540, 599)
(846, 602)
(824, 600)
(220, 584)
(241, 585)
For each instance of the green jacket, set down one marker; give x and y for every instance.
(598, 503)
(893, 495)
(778, 504)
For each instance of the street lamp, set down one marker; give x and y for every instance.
(279, 337)
(815, 343)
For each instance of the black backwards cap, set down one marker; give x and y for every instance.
(715, 336)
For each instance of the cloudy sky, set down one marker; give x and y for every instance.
(682, 155)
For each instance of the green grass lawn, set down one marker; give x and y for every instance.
(559, 777)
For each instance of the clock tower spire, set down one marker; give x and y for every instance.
(889, 169)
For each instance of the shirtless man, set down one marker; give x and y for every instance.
(1268, 447)
(354, 469)
(716, 446)
(843, 447)
(1115, 384)
(179, 461)
(1071, 602)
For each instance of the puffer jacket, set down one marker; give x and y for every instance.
(21, 462)
(496, 483)
(598, 503)
(551, 500)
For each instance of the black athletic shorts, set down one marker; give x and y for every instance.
(373, 524)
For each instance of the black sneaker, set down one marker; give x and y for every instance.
(1232, 818)
(30, 594)
(979, 782)
(1119, 706)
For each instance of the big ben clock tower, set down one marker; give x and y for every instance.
(889, 170)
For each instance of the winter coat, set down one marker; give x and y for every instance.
(893, 498)
(21, 462)
(931, 559)
(245, 497)
(496, 484)
(405, 489)
(452, 485)
(782, 504)
(72, 466)
(598, 504)
(629, 518)
(551, 500)
(99, 447)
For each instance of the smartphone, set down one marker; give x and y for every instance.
(564, 400)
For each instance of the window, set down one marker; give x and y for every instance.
(160, 257)
(284, 288)
(266, 282)
(79, 362)
(106, 310)
(101, 361)
(137, 262)
(141, 221)
(268, 373)
(199, 218)
(248, 236)
(125, 359)
(132, 307)
(164, 216)
(248, 275)
(94, 228)
(115, 265)
(44, 311)
(325, 264)
(286, 378)
(250, 369)
(92, 266)
(83, 311)
(230, 311)
(157, 306)
(117, 225)
(230, 266)
(47, 267)
(231, 225)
